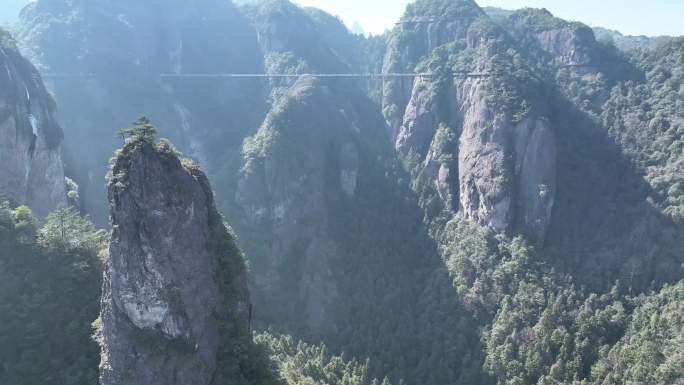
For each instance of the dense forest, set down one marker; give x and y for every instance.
(512, 214)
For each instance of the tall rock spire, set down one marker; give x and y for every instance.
(175, 304)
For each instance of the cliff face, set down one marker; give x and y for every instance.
(334, 243)
(515, 128)
(491, 158)
(507, 170)
(31, 170)
(288, 196)
(424, 27)
(130, 57)
(105, 61)
(283, 27)
(175, 305)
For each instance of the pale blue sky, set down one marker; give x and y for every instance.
(9, 10)
(632, 17)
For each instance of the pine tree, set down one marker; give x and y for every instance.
(142, 130)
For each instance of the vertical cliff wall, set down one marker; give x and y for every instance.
(31, 170)
(475, 135)
(105, 62)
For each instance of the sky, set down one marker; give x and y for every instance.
(9, 10)
(631, 17)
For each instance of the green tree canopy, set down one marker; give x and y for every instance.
(142, 130)
(66, 230)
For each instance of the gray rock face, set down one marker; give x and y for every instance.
(473, 151)
(421, 119)
(535, 168)
(104, 59)
(412, 39)
(494, 190)
(175, 304)
(568, 44)
(485, 172)
(284, 28)
(285, 198)
(31, 170)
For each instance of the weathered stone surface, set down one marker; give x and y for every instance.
(535, 168)
(414, 37)
(569, 44)
(485, 172)
(421, 119)
(31, 170)
(507, 169)
(466, 149)
(175, 304)
(290, 170)
(103, 60)
(496, 191)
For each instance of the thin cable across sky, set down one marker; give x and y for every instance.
(285, 75)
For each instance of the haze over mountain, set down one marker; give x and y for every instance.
(509, 209)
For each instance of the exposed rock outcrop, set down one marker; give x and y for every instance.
(105, 60)
(485, 170)
(335, 242)
(536, 169)
(31, 170)
(507, 131)
(569, 45)
(424, 27)
(175, 304)
(285, 197)
(468, 149)
(507, 169)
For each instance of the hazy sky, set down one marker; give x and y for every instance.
(9, 10)
(632, 17)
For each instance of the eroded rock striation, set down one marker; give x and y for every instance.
(470, 150)
(286, 199)
(515, 128)
(31, 169)
(175, 304)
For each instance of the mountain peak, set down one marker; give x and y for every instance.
(176, 308)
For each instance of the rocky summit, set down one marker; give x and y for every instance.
(175, 304)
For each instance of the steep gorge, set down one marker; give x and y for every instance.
(497, 224)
